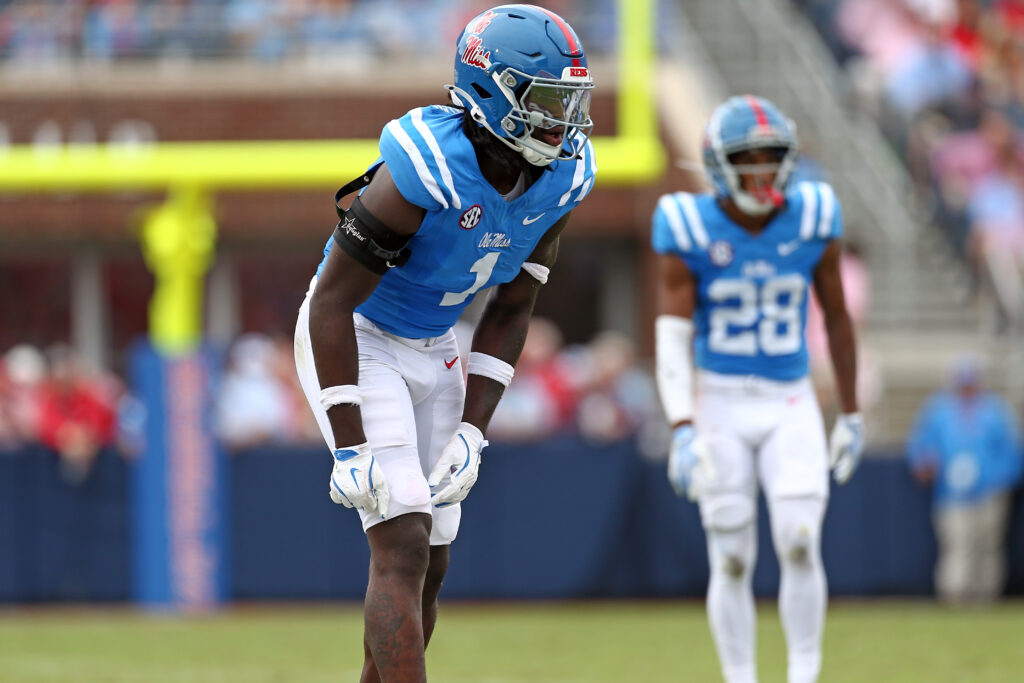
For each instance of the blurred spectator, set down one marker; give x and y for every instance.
(299, 422)
(76, 413)
(932, 72)
(966, 445)
(252, 406)
(21, 375)
(541, 400)
(960, 160)
(618, 399)
(114, 29)
(995, 213)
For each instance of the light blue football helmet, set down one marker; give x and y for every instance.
(746, 122)
(521, 69)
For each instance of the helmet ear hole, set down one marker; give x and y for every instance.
(479, 89)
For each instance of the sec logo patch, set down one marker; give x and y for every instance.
(720, 253)
(471, 217)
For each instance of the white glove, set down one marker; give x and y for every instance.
(846, 446)
(461, 460)
(689, 462)
(358, 482)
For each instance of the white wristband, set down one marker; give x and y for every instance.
(343, 393)
(489, 366)
(673, 336)
(539, 272)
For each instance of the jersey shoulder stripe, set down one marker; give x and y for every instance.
(413, 149)
(694, 219)
(820, 211)
(668, 207)
(583, 173)
(442, 164)
(809, 212)
(828, 209)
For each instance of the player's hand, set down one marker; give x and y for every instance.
(460, 461)
(846, 446)
(358, 482)
(689, 462)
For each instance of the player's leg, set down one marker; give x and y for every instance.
(793, 466)
(439, 395)
(400, 545)
(732, 551)
(393, 611)
(431, 587)
(803, 592)
(728, 513)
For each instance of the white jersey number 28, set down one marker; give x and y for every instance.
(741, 303)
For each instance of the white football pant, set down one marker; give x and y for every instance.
(413, 394)
(767, 433)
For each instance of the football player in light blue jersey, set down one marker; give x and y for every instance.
(462, 198)
(735, 268)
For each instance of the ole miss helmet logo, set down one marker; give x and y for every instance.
(471, 217)
(475, 53)
(480, 23)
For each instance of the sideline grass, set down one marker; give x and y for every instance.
(505, 643)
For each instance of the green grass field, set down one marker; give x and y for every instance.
(505, 642)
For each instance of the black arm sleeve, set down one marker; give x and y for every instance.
(369, 241)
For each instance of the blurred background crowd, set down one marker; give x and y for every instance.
(53, 397)
(45, 33)
(945, 80)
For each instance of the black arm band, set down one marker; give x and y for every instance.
(369, 241)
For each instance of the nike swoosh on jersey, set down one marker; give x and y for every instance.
(449, 364)
(527, 220)
(787, 248)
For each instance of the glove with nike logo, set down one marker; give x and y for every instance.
(358, 482)
(460, 460)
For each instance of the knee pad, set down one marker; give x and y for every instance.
(729, 522)
(796, 528)
(732, 553)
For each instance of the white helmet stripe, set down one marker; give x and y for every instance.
(828, 208)
(810, 211)
(426, 177)
(442, 163)
(670, 207)
(700, 234)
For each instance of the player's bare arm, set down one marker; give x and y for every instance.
(828, 285)
(343, 285)
(502, 329)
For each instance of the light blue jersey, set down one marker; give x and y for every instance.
(752, 290)
(470, 238)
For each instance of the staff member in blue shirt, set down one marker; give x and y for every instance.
(966, 444)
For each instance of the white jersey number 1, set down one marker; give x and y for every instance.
(483, 268)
